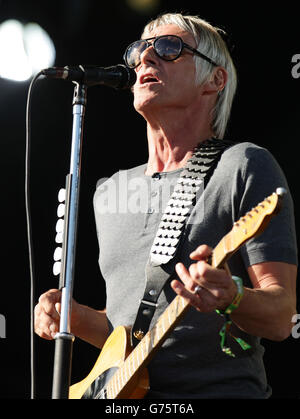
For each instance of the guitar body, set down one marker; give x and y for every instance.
(111, 358)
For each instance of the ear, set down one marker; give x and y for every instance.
(220, 78)
(217, 81)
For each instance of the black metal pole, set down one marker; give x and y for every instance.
(62, 366)
(64, 339)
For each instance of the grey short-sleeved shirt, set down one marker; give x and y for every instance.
(128, 208)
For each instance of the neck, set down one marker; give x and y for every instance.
(171, 141)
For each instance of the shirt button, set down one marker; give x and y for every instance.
(156, 176)
(150, 211)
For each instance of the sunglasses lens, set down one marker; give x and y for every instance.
(133, 53)
(168, 47)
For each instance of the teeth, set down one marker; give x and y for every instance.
(148, 79)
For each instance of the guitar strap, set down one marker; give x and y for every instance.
(161, 262)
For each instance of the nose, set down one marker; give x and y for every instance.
(149, 56)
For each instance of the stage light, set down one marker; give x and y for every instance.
(24, 50)
(144, 6)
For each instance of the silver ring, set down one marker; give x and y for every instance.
(197, 289)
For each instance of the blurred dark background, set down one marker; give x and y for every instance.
(266, 111)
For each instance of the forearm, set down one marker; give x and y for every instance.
(90, 325)
(266, 312)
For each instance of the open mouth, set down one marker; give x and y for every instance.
(149, 78)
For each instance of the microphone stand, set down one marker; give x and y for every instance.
(64, 339)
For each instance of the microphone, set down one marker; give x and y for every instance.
(119, 76)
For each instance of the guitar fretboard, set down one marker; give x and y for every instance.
(152, 341)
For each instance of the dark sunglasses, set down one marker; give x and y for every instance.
(167, 47)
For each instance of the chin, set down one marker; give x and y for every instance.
(144, 104)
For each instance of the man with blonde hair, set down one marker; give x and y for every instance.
(185, 86)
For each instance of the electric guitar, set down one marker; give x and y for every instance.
(120, 372)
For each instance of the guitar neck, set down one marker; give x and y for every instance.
(220, 254)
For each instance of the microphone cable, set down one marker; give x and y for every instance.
(29, 232)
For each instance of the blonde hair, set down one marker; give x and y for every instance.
(210, 43)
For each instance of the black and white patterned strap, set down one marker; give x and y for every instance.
(184, 196)
(192, 180)
(183, 199)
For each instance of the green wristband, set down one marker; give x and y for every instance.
(226, 313)
(237, 299)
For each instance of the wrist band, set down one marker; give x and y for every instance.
(237, 299)
(226, 313)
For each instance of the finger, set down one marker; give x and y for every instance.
(191, 297)
(185, 276)
(202, 252)
(201, 274)
(195, 272)
(47, 302)
(53, 328)
(45, 327)
(42, 334)
(188, 283)
(58, 308)
(204, 300)
(53, 295)
(181, 270)
(216, 281)
(201, 301)
(44, 324)
(210, 276)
